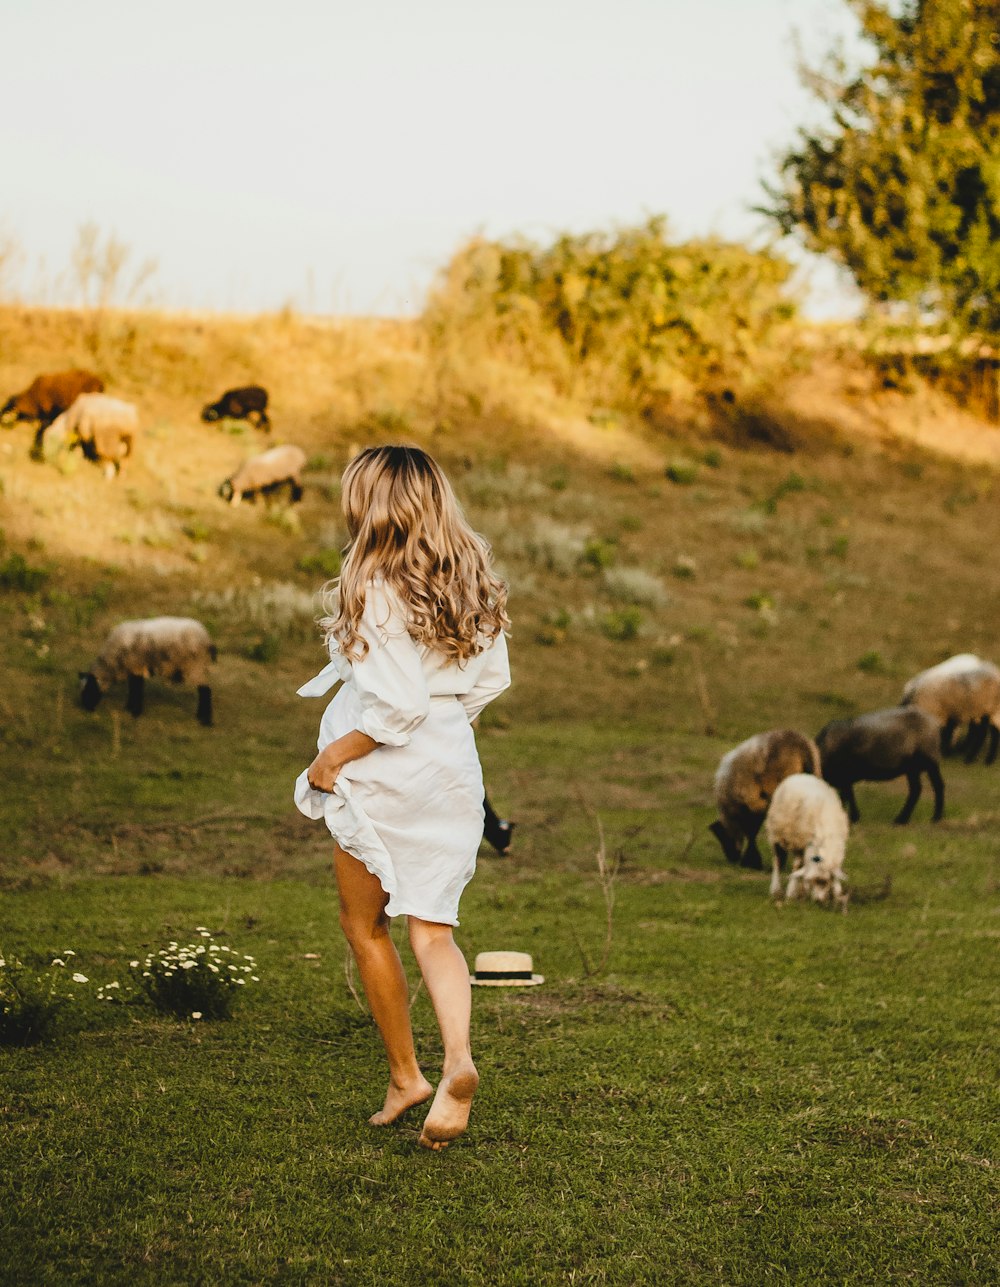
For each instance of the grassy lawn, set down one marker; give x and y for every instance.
(742, 1094)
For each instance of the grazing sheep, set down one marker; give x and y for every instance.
(249, 403)
(266, 473)
(962, 690)
(807, 822)
(174, 648)
(878, 747)
(105, 427)
(745, 782)
(48, 396)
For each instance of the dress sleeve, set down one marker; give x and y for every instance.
(493, 679)
(390, 677)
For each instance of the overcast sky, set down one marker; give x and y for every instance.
(333, 153)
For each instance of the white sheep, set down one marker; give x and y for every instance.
(962, 690)
(105, 427)
(266, 473)
(174, 648)
(745, 782)
(807, 823)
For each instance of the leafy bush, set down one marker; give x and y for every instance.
(682, 472)
(32, 1001)
(199, 981)
(872, 662)
(629, 315)
(16, 573)
(622, 624)
(599, 554)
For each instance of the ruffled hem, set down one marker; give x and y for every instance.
(352, 829)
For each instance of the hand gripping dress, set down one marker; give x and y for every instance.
(412, 810)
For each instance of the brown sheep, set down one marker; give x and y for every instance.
(48, 396)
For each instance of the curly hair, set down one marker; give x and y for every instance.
(407, 529)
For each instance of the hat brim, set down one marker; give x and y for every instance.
(507, 983)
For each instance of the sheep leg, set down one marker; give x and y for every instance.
(777, 867)
(296, 491)
(937, 785)
(729, 848)
(913, 780)
(136, 695)
(263, 421)
(205, 705)
(977, 736)
(850, 804)
(994, 746)
(947, 736)
(751, 855)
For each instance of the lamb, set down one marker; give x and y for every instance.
(48, 396)
(807, 821)
(266, 473)
(174, 648)
(240, 404)
(746, 780)
(962, 690)
(878, 747)
(106, 428)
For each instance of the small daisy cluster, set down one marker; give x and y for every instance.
(198, 981)
(30, 1000)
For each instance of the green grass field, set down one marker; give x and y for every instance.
(742, 1094)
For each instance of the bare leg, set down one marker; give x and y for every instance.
(366, 927)
(447, 977)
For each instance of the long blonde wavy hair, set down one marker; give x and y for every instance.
(407, 528)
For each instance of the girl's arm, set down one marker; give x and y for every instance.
(323, 771)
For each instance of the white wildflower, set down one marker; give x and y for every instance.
(133, 965)
(58, 961)
(195, 1014)
(80, 978)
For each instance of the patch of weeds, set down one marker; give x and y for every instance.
(635, 586)
(196, 531)
(685, 568)
(32, 1001)
(788, 486)
(285, 518)
(598, 554)
(199, 981)
(748, 560)
(872, 663)
(319, 464)
(630, 523)
(835, 701)
(760, 602)
(713, 458)
(235, 427)
(838, 547)
(559, 481)
(605, 418)
(621, 472)
(663, 656)
(681, 471)
(266, 649)
(325, 563)
(16, 573)
(958, 500)
(622, 624)
(554, 629)
(389, 420)
(912, 469)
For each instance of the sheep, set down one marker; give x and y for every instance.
(240, 404)
(266, 473)
(48, 396)
(106, 428)
(962, 690)
(878, 747)
(807, 821)
(745, 782)
(174, 648)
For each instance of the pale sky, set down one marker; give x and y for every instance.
(334, 153)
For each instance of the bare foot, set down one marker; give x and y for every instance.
(399, 1098)
(449, 1115)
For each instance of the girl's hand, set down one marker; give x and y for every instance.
(322, 773)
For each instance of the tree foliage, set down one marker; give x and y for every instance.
(902, 185)
(624, 314)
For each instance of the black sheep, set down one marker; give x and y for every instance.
(248, 403)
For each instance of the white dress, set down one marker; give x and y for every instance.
(411, 810)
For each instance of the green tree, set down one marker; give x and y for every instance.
(902, 183)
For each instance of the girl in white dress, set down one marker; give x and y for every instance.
(415, 632)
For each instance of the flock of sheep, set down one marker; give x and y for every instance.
(802, 790)
(71, 409)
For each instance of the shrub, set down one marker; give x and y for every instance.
(635, 586)
(682, 472)
(266, 649)
(324, 562)
(622, 624)
(16, 573)
(685, 568)
(199, 981)
(871, 662)
(31, 1001)
(598, 553)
